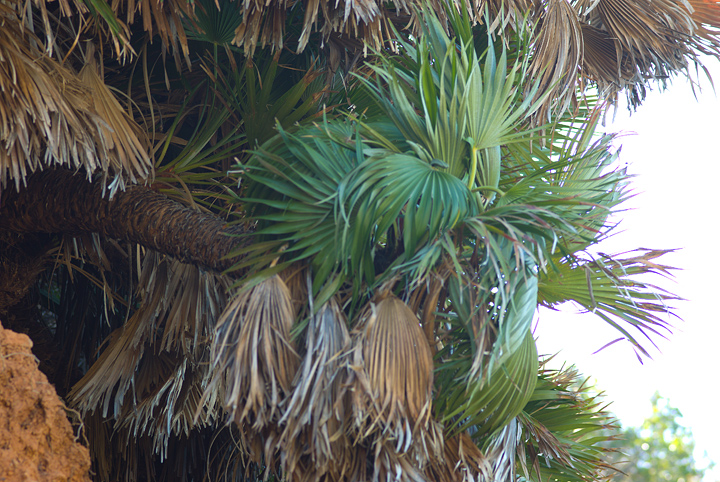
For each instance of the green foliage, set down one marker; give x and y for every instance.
(566, 430)
(660, 450)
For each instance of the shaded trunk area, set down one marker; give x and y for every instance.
(58, 202)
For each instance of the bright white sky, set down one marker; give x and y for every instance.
(675, 154)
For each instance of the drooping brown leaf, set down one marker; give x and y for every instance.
(652, 34)
(179, 304)
(462, 461)
(600, 59)
(127, 145)
(391, 384)
(558, 55)
(48, 116)
(314, 441)
(502, 453)
(253, 357)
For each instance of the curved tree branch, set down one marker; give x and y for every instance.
(56, 201)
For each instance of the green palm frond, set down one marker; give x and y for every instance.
(215, 21)
(566, 429)
(447, 100)
(294, 191)
(213, 141)
(264, 92)
(484, 405)
(612, 287)
(321, 194)
(384, 191)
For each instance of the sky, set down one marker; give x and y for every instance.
(671, 144)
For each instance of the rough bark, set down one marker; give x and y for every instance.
(58, 202)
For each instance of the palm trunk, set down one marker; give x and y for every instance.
(56, 201)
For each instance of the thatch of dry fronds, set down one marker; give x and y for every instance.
(462, 461)
(125, 142)
(179, 305)
(503, 451)
(49, 116)
(653, 34)
(313, 439)
(558, 55)
(253, 357)
(391, 380)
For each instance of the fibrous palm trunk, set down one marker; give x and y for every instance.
(58, 202)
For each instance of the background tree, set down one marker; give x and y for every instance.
(309, 238)
(660, 449)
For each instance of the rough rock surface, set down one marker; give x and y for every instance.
(36, 440)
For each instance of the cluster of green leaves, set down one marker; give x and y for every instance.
(566, 428)
(434, 174)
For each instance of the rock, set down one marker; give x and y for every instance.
(36, 440)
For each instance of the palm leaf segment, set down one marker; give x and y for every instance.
(441, 194)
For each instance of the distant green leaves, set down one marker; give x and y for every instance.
(660, 449)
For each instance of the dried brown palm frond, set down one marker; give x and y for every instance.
(426, 299)
(652, 34)
(370, 21)
(169, 393)
(600, 60)
(485, 332)
(179, 304)
(389, 465)
(558, 56)
(126, 143)
(295, 279)
(548, 446)
(462, 461)
(111, 377)
(706, 15)
(313, 438)
(392, 381)
(502, 13)
(164, 17)
(253, 356)
(48, 117)
(502, 453)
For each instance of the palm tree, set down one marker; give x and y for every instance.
(312, 243)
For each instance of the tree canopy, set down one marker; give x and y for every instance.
(660, 449)
(309, 239)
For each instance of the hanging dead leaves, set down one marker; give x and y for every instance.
(52, 116)
(329, 404)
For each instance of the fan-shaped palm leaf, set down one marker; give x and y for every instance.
(393, 374)
(488, 404)
(315, 418)
(254, 360)
(565, 427)
(609, 287)
(558, 55)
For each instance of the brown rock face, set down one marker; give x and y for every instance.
(36, 440)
